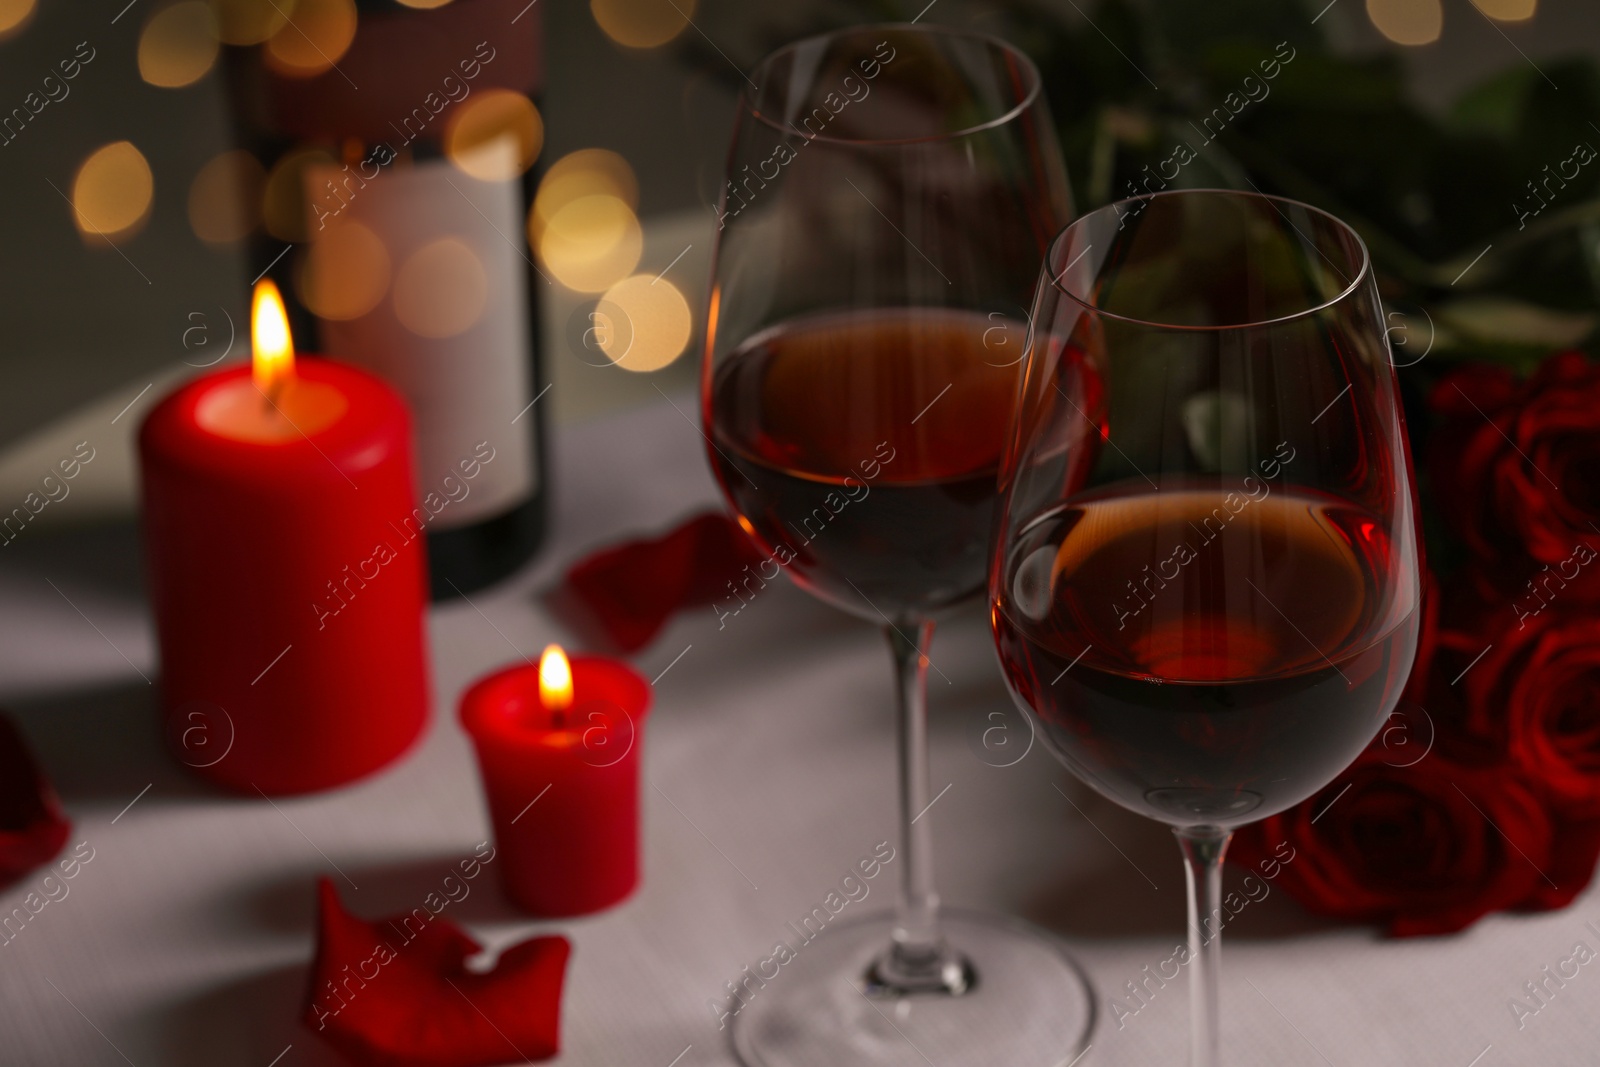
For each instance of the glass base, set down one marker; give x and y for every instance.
(1029, 1004)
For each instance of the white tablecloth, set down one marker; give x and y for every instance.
(185, 940)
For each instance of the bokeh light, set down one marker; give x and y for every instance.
(1507, 10)
(225, 198)
(441, 289)
(251, 21)
(591, 243)
(178, 45)
(283, 200)
(642, 23)
(581, 173)
(1409, 22)
(345, 272)
(112, 191)
(485, 118)
(424, 5)
(313, 40)
(586, 172)
(14, 14)
(648, 322)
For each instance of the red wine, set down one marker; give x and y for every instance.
(1201, 662)
(861, 448)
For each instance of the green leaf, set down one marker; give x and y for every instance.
(1501, 320)
(1495, 105)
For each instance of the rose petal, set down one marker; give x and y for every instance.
(397, 992)
(32, 826)
(627, 592)
(1474, 387)
(1511, 466)
(1535, 696)
(1573, 856)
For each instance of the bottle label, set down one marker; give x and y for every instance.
(419, 275)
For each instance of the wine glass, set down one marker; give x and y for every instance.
(1206, 583)
(891, 192)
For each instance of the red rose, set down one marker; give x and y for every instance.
(1514, 465)
(1483, 793)
(1574, 849)
(1535, 695)
(1425, 849)
(1427, 638)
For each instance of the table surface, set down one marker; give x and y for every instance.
(186, 939)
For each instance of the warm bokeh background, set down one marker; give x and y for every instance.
(79, 320)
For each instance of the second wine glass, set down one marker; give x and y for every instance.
(891, 191)
(1208, 576)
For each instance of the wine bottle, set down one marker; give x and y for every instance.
(397, 147)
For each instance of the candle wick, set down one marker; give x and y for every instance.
(558, 719)
(275, 391)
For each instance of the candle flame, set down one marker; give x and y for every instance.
(272, 363)
(555, 679)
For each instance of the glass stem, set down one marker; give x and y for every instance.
(917, 960)
(1203, 849)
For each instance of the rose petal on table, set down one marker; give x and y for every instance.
(396, 992)
(32, 825)
(620, 597)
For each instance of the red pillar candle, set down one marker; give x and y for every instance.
(287, 570)
(560, 767)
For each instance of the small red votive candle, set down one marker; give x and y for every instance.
(287, 578)
(558, 749)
